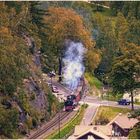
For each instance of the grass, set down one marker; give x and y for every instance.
(93, 81)
(106, 12)
(137, 103)
(69, 127)
(112, 97)
(105, 114)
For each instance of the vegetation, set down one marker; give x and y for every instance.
(106, 113)
(126, 70)
(110, 96)
(11, 117)
(93, 81)
(33, 37)
(70, 125)
(20, 86)
(60, 29)
(135, 132)
(126, 8)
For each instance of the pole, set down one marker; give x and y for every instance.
(59, 121)
(132, 101)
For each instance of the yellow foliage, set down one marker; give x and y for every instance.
(65, 24)
(93, 58)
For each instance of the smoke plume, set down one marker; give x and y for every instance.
(73, 64)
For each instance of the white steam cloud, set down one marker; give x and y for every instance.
(74, 67)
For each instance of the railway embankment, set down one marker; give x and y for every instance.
(68, 128)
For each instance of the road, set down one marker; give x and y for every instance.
(96, 101)
(89, 114)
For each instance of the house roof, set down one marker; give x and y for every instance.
(81, 130)
(107, 130)
(124, 122)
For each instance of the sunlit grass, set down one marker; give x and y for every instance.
(108, 113)
(93, 81)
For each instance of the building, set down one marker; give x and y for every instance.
(121, 125)
(118, 128)
(88, 132)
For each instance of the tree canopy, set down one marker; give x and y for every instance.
(126, 70)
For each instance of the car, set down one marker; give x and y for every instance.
(124, 102)
(52, 74)
(55, 89)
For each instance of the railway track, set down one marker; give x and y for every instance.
(49, 125)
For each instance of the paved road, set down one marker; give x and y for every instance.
(97, 101)
(89, 114)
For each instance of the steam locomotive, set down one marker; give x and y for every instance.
(73, 99)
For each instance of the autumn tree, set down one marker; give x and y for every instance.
(63, 24)
(93, 57)
(125, 71)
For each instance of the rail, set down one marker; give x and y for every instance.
(49, 125)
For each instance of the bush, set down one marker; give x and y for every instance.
(9, 120)
(102, 120)
(135, 132)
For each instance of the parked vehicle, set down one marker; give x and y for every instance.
(124, 102)
(55, 89)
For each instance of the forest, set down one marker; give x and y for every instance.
(33, 37)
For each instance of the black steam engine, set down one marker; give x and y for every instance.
(73, 99)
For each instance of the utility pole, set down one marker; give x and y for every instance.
(59, 121)
(59, 124)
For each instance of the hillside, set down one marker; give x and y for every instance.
(25, 98)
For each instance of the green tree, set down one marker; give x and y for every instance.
(134, 30)
(125, 71)
(37, 13)
(126, 7)
(106, 42)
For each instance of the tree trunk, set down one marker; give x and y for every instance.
(132, 101)
(60, 69)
